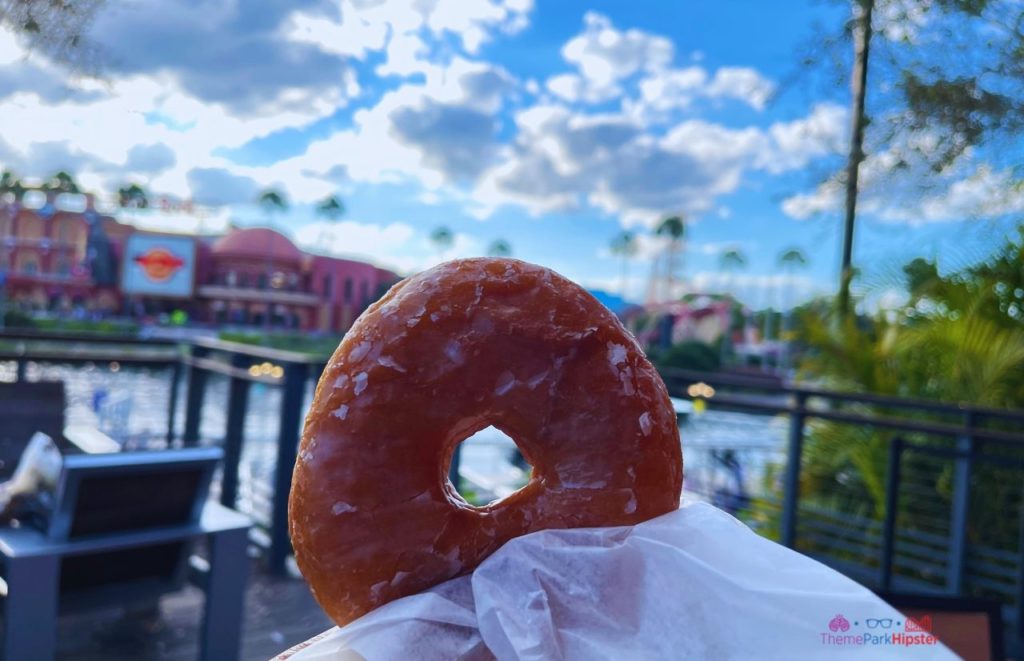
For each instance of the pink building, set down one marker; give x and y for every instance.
(51, 259)
(248, 271)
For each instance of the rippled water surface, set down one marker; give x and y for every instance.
(131, 405)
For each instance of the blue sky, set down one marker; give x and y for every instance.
(550, 124)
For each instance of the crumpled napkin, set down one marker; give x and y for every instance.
(692, 584)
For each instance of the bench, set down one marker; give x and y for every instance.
(123, 530)
(28, 407)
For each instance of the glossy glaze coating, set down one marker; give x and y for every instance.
(450, 351)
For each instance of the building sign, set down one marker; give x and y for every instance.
(159, 265)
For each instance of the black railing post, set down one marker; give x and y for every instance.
(1020, 581)
(19, 374)
(960, 507)
(892, 494)
(791, 487)
(234, 431)
(287, 445)
(172, 403)
(194, 398)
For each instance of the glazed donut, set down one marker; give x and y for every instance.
(444, 354)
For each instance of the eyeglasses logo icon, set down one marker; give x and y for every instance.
(878, 624)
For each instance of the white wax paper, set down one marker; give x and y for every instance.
(692, 584)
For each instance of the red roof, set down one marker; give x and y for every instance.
(256, 243)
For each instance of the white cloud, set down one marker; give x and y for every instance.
(607, 60)
(604, 55)
(742, 83)
(399, 245)
(982, 193)
(755, 289)
(218, 187)
(402, 28)
(440, 133)
(202, 220)
(567, 86)
(826, 198)
(563, 160)
(797, 143)
(672, 88)
(349, 237)
(898, 185)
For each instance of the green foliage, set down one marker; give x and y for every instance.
(15, 319)
(331, 208)
(272, 201)
(61, 182)
(960, 338)
(733, 259)
(300, 342)
(690, 355)
(56, 28)
(673, 227)
(499, 248)
(964, 111)
(7, 181)
(624, 244)
(132, 196)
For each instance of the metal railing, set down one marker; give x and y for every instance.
(938, 458)
(921, 540)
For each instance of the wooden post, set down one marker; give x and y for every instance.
(791, 486)
(287, 445)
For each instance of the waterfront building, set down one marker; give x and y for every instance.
(54, 260)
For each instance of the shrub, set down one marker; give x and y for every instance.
(690, 355)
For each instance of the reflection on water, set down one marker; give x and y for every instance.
(724, 452)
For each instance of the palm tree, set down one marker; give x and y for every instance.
(730, 262)
(624, 245)
(10, 184)
(443, 239)
(789, 261)
(62, 182)
(862, 10)
(499, 248)
(132, 196)
(272, 201)
(674, 227)
(332, 209)
(7, 182)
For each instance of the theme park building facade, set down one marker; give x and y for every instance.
(52, 259)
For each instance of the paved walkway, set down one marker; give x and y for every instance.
(279, 612)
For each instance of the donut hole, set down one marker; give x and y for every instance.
(491, 467)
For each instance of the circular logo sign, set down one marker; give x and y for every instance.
(159, 264)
